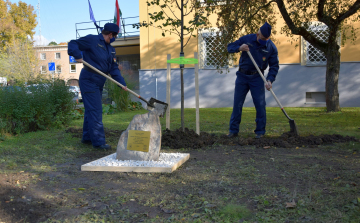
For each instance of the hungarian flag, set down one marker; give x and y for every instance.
(117, 16)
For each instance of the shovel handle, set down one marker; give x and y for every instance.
(110, 78)
(262, 76)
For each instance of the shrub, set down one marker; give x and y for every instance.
(43, 106)
(121, 97)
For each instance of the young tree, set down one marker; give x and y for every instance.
(238, 17)
(52, 43)
(170, 18)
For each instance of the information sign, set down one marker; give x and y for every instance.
(51, 66)
(138, 140)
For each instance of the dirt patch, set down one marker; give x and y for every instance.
(188, 139)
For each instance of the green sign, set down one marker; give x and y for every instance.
(183, 60)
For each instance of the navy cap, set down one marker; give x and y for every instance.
(111, 27)
(265, 30)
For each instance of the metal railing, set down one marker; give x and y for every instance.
(127, 30)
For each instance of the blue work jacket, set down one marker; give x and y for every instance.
(263, 55)
(97, 53)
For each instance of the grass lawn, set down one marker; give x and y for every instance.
(41, 181)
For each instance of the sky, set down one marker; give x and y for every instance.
(58, 17)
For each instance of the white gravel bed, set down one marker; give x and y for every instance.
(165, 160)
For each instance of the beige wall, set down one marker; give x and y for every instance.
(154, 47)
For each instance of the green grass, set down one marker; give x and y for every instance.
(314, 121)
(55, 146)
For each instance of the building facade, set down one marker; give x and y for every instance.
(300, 81)
(65, 70)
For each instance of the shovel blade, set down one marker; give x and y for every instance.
(293, 127)
(157, 105)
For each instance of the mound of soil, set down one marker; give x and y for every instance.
(188, 139)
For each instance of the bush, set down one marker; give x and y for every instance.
(39, 107)
(121, 97)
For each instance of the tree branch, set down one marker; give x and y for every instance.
(192, 8)
(320, 13)
(299, 30)
(251, 16)
(170, 11)
(352, 10)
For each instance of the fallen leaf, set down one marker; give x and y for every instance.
(354, 184)
(292, 204)
(132, 199)
(81, 188)
(266, 147)
(297, 147)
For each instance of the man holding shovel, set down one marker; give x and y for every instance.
(265, 54)
(98, 52)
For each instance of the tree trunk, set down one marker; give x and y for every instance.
(182, 99)
(332, 77)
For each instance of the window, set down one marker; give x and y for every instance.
(312, 56)
(43, 56)
(57, 56)
(58, 69)
(72, 68)
(43, 69)
(315, 97)
(210, 47)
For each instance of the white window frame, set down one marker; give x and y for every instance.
(43, 71)
(59, 56)
(72, 71)
(42, 56)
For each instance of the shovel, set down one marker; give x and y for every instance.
(293, 127)
(154, 104)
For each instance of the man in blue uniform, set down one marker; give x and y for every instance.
(265, 54)
(98, 52)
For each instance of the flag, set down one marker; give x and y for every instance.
(93, 18)
(117, 16)
(91, 13)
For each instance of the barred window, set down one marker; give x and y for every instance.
(211, 47)
(311, 55)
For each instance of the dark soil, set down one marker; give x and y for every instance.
(220, 171)
(188, 139)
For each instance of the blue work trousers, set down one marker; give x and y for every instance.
(91, 86)
(243, 84)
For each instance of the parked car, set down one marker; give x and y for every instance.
(11, 88)
(74, 89)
